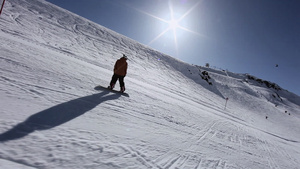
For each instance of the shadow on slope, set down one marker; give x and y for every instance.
(56, 115)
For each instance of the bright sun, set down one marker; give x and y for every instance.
(173, 24)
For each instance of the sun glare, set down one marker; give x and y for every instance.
(173, 24)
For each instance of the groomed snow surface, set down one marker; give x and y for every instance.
(52, 117)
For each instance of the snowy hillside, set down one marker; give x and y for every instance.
(174, 115)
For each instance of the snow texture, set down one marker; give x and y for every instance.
(174, 115)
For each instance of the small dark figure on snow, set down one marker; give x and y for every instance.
(206, 77)
(120, 71)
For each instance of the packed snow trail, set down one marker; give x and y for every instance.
(51, 116)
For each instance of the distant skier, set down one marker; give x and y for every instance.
(120, 71)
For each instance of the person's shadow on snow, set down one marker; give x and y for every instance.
(56, 115)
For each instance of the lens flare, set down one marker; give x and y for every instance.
(173, 24)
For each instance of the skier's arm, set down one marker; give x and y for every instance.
(126, 69)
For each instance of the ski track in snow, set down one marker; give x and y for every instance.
(51, 116)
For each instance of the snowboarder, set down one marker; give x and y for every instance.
(120, 71)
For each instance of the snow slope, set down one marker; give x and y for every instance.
(51, 116)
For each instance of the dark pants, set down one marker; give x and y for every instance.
(114, 80)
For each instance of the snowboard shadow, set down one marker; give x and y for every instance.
(56, 115)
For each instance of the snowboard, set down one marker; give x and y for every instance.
(99, 87)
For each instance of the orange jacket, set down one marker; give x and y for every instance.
(121, 67)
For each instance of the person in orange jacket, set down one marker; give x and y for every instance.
(120, 71)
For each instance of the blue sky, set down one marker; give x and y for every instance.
(242, 36)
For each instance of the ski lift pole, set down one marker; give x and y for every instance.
(226, 102)
(2, 6)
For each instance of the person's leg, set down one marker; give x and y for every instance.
(113, 81)
(122, 84)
